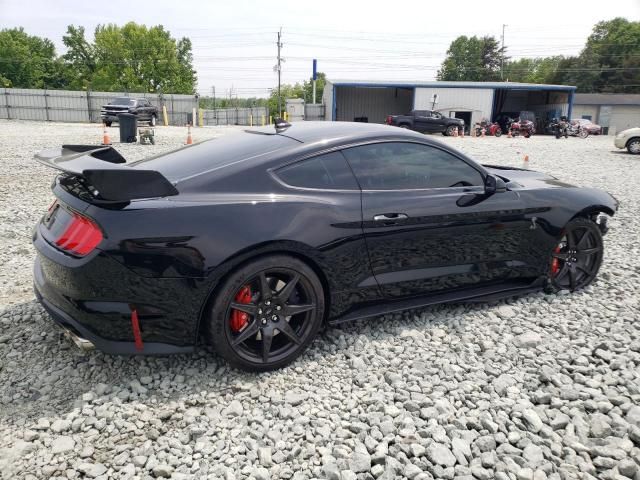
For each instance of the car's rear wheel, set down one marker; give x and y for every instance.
(576, 259)
(633, 146)
(449, 131)
(267, 313)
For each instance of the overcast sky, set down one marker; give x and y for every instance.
(234, 42)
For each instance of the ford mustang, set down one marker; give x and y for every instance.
(253, 241)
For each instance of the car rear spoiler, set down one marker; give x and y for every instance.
(101, 170)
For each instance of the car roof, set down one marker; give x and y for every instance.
(268, 146)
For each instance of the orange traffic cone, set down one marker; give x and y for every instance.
(462, 133)
(509, 133)
(526, 159)
(105, 135)
(189, 139)
(482, 132)
(455, 132)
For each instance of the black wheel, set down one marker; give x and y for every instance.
(558, 135)
(449, 131)
(404, 125)
(152, 122)
(633, 146)
(108, 124)
(498, 133)
(576, 259)
(267, 313)
(527, 135)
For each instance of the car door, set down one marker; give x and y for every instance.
(421, 120)
(430, 227)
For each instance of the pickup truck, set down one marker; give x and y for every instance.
(140, 107)
(426, 121)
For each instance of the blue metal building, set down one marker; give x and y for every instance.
(372, 101)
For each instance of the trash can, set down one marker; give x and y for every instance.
(128, 127)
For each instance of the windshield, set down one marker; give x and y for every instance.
(125, 101)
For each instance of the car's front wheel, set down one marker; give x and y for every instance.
(576, 259)
(266, 313)
(633, 146)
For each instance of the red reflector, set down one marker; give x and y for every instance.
(135, 327)
(80, 237)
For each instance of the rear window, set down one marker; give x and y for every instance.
(241, 149)
(327, 172)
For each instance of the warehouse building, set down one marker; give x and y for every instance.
(614, 112)
(372, 101)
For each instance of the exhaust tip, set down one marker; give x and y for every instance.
(81, 343)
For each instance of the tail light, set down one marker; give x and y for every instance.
(389, 120)
(80, 237)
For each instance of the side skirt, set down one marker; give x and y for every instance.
(470, 295)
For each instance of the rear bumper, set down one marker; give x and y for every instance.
(71, 316)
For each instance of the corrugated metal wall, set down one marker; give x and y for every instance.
(327, 100)
(478, 101)
(314, 111)
(79, 106)
(374, 103)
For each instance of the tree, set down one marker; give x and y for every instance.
(132, 58)
(472, 59)
(609, 62)
(307, 86)
(28, 61)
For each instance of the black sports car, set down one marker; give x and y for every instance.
(255, 240)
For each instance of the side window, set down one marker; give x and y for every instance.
(329, 171)
(404, 166)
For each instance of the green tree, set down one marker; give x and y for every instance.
(133, 58)
(472, 59)
(609, 62)
(28, 61)
(307, 86)
(286, 91)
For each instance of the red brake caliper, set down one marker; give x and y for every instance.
(239, 319)
(555, 263)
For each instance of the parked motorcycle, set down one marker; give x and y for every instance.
(492, 129)
(577, 130)
(560, 128)
(526, 128)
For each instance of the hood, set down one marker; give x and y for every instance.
(517, 178)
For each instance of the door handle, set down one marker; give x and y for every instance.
(385, 217)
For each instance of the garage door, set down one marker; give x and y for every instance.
(625, 116)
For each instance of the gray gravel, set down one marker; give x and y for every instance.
(545, 386)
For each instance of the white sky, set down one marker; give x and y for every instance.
(234, 42)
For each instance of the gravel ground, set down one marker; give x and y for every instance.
(545, 386)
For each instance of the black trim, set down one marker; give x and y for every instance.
(107, 346)
(470, 295)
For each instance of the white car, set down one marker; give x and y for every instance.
(629, 139)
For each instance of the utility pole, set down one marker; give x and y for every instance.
(502, 56)
(279, 68)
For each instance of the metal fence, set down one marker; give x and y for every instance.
(236, 116)
(83, 106)
(314, 111)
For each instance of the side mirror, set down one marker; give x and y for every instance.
(493, 184)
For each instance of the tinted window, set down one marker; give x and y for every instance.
(329, 171)
(400, 166)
